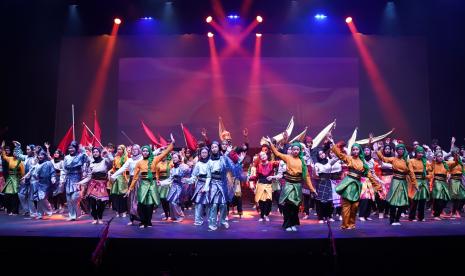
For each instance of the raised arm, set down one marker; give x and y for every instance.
(120, 170)
(342, 156)
(384, 158)
(281, 156)
(163, 154)
(135, 177)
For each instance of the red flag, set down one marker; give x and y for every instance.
(163, 142)
(149, 133)
(97, 132)
(191, 142)
(66, 140)
(86, 140)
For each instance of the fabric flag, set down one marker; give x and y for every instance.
(86, 140)
(66, 140)
(97, 132)
(191, 142)
(163, 142)
(149, 133)
(300, 137)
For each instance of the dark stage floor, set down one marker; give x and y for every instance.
(246, 227)
(248, 247)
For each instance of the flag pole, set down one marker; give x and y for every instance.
(127, 137)
(184, 135)
(72, 114)
(92, 134)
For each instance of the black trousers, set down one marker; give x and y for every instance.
(420, 205)
(338, 210)
(58, 200)
(290, 214)
(96, 208)
(324, 209)
(145, 214)
(364, 208)
(119, 203)
(276, 195)
(166, 207)
(394, 213)
(237, 201)
(438, 206)
(381, 204)
(11, 203)
(307, 200)
(456, 205)
(265, 207)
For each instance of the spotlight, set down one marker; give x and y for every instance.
(320, 16)
(348, 20)
(210, 34)
(233, 16)
(117, 21)
(147, 18)
(259, 19)
(258, 35)
(209, 19)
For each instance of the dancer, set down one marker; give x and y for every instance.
(386, 178)
(162, 174)
(96, 181)
(350, 187)
(457, 188)
(177, 172)
(296, 172)
(264, 176)
(199, 176)
(398, 191)
(74, 164)
(25, 193)
(10, 189)
(367, 196)
(147, 193)
(130, 165)
(119, 187)
(422, 169)
(441, 193)
(58, 194)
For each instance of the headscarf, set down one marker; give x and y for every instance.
(42, 152)
(99, 158)
(405, 155)
(361, 155)
(124, 156)
(456, 150)
(323, 161)
(60, 156)
(204, 160)
(420, 149)
(216, 156)
(367, 158)
(135, 146)
(439, 153)
(75, 145)
(301, 157)
(150, 159)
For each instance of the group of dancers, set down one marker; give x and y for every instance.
(340, 180)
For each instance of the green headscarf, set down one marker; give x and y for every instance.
(123, 156)
(420, 149)
(456, 150)
(361, 155)
(405, 155)
(149, 170)
(301, 157)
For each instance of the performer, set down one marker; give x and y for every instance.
(25, 193)
(264, 176)
(96, 181)
(398, 191)
(367, 196)
(441, 194)
(130, 165)
(74, 164)
(147, 193)
(336, 178)
(296, 172)
(199, 176)
(324, 200)
(120, 186)
(457, 188)
(10, 190)
(177, 172)
(162, 174)
(42, 178)
(58, 193)
(217, 186)
(422, 169)
(350, 187)
(386, 178)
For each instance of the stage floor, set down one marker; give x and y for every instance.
(246, 227)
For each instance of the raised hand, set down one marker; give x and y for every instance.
(203, 131)
(245, 132)
(268, 140)
(47, 145)
(172, 138)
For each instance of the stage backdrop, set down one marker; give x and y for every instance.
(168, 80)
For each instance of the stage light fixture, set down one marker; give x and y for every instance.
(209, 19)
(348, 20)
(210, 34)
(233, 16)
(117, 21)
(259, 19)
(258, 35)
(320, 16)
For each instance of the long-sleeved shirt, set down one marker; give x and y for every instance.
(101, 168)
(200, 169)
(293, 166)
(14, 163)
(399, 165)
(416, 165)
(129, 165)
(143, 165)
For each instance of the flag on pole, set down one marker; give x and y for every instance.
(150, 134)
(86, 140)
(66, 140)
(163, 142)
(190, 140)
(97, 131)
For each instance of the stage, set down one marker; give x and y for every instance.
(178, 248)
